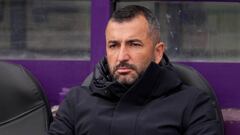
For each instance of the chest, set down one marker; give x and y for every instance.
(158, 116)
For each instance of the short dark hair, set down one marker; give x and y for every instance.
(130, 12)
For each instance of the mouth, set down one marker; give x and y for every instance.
(124, 70)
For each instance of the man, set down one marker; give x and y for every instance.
(135, 90)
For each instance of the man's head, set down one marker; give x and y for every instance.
(132, 42)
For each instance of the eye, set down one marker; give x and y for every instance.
(112, 45)
(135, 44)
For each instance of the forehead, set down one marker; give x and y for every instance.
(138, 26)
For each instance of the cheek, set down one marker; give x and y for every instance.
(142, 61)
(111, 62)
(144, 56)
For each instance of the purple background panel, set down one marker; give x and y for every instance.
(54, 76)
(100, 15)
(232, 128)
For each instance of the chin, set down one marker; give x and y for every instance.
(126, 80)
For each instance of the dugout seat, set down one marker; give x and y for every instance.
(24, 109)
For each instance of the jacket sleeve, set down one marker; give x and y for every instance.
(202, 117)
(63, 123)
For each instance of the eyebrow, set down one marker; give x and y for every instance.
(130, 40)
(113, 41)
(135, 40)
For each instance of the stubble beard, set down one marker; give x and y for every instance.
(125, 79)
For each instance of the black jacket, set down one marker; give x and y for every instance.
(157, 104)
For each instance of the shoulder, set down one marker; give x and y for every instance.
(193, 97)
(194, 92)
(77, 93)
(199, 101)
(78, 90)
(201, 112)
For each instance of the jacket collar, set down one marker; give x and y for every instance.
(157, 80)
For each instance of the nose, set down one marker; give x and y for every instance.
(123, 54)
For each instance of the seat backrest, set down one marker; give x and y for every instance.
(192, 77)
(24, 109)
(87, 80)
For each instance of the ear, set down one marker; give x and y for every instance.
(158, 51)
